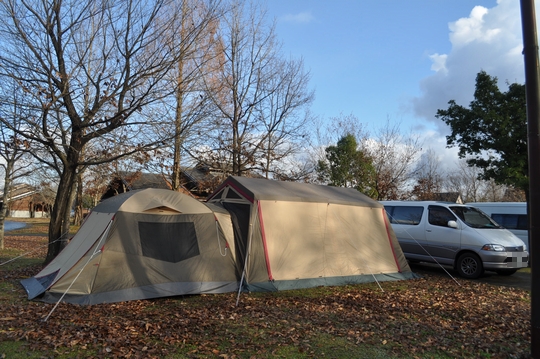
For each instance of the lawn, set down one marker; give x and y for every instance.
(431, 317)
(35, 226)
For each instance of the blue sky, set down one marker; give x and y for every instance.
(400, 60)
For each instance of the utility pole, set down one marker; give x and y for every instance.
(530, 52)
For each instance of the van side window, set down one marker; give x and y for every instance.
(410, 215)
(439, 216)
(511, 221)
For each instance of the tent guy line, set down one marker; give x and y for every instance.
(33, 251)
(97, 250)
(429, 254)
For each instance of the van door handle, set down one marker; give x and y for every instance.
(428, 230)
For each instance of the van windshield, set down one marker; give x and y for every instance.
(474, 218)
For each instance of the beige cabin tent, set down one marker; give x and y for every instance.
(297, 235)
(142, 244)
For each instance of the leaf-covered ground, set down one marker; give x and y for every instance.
(427, 317)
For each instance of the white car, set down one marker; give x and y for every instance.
(457, 235)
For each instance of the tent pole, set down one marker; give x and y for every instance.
(245, 263)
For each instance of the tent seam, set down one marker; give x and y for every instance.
(386, 224)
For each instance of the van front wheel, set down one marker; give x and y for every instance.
(469, 266)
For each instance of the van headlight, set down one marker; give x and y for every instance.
(493, 247)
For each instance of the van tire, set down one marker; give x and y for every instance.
(506, 271)
(469, 266)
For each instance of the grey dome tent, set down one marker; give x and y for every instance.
(142, 244)
(292, 235)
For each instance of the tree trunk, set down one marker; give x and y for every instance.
(62, 204)
(268, 154)
(175, 185)
(175, 178)
(5, 204)
(177, 133)
(67, 215)
(78, 202)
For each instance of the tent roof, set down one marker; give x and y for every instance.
(152, 199)
(264, 189)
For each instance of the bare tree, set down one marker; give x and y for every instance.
(465, 180)
(285, 126)
(13, 149)
(337, 127)
(428, 175)
(493, 192)
(190, 107)
(95, 71)
(256, 95)
(394, 156)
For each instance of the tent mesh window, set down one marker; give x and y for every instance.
(219, 194)
(170, 242)
(233, 194)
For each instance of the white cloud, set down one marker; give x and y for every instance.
(302, 18)
(488, 40)
(439, 62)
(448, 157)
(472, 28)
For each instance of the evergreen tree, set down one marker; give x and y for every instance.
(492, 132)
(346, 166)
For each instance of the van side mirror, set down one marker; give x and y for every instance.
(452, 224)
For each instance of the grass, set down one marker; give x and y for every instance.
(21, 350)
(359, 321)
(9, 263)
(35, 227)
(17, 350)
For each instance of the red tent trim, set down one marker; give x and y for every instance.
(387, 225)
(263, 234)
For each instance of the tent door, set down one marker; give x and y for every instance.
(240, 220)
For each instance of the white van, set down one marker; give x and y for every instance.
(457, 235)
(510, 215)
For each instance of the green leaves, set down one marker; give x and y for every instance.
(346, 166)
(492, 132)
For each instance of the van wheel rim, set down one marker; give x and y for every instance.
(469, 266)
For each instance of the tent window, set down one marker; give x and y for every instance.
(233, 194)
(219, 194)
(162, 210)
(169, 242)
